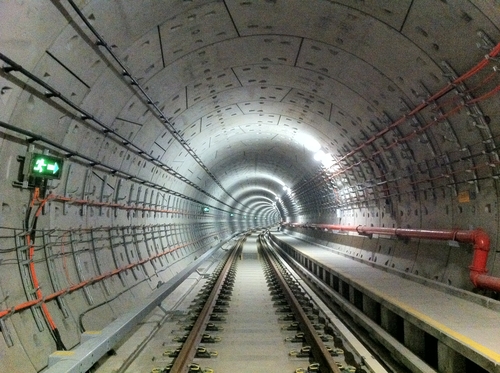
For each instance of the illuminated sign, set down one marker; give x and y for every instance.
(206, 209)
(46, 166)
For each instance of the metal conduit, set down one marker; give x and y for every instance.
(51, 92)
(478, 237)
(150, 103)
(43, 300)
(412, 113)
(410, 136)
(106, 168)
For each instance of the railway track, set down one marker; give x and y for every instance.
(252, 315)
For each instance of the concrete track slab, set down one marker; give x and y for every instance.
(155, 334)
(467, 323)
(252, 340)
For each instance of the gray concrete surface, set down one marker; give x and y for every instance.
(252, 340)
(465, 327)
(246, 88)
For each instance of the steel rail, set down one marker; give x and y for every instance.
(319, 351)
(96, 344)
(354, 341)
(399, 353)
(188, 349)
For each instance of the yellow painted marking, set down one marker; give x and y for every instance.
(495, 356)
(64, 353)
(463, 197)
(492, 355)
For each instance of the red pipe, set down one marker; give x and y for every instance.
(478, 237)
(90, 281)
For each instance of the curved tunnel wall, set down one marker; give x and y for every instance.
(211, 113)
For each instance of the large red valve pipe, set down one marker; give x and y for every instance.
(478, 237)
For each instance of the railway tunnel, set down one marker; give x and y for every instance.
(140, 139)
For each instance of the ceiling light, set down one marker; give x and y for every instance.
(318, 156)
(310, 143)
(326, 159)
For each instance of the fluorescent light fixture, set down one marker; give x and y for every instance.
(318, 156)
(310, 143)
(327, 161)
(324, 158)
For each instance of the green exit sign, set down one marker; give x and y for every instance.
(46, 166)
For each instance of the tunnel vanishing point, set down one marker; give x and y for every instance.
(138, 135)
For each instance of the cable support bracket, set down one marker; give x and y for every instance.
(157, 112)
(83, 115)
(485, 43)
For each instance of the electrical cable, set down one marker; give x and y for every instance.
(449, 87)
(149, 102)
(65, 267)
(42, 300)
(421, 130)
(383, 177)
(30, 241)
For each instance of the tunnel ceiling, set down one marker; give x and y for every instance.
(246, 85)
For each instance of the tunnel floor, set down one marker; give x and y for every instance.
(252, 340)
